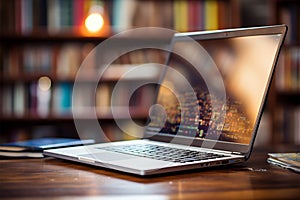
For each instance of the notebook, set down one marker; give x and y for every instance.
(34, 147)
(207, 109)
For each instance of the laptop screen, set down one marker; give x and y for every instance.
(215, 89)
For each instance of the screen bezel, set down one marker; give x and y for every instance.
(223, 34)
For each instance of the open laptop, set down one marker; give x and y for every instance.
(208, 106)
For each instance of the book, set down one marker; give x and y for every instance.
(289, 161)
(19, 98)
(35, 147)
(62, 99)
(21, 154)
(211, 15)
(54, 15)
(180, 15)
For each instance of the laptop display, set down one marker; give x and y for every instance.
(241, 66)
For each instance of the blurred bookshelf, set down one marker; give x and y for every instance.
(285, 96)
(281, 119)
(44, 42)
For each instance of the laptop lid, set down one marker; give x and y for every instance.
(214, 87)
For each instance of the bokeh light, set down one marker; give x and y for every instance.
(94, 22)
(44, 83)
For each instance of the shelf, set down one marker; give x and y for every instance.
(124, 39)
(105, 114)
(35, 120)
(112, 74)
(291, 97)
(44, 36)
(289, 93)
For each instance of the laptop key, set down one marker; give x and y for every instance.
(163, 153)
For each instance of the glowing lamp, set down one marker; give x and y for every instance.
(94, 21)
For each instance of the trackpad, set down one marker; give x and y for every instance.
(106, 156)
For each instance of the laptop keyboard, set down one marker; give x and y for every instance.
(163, 153)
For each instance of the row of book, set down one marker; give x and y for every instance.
(63, 61)
(180, 15)
(27, 16)
(288, 75)
(288, 70)
(35, 99)
(43, 100)
(289, 125)
(289, 15)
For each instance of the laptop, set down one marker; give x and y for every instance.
(208, 105)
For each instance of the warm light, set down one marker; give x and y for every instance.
(44, 83)
(94, 22)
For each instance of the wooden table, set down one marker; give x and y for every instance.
(48, 178)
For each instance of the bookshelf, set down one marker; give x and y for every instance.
(285, 115)
(43, 43)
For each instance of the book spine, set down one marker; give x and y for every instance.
(54, 15)
(192, 15)
(62, 99)
(181, 15)
(7, 99)
(78, 13)
(211, 14)
(42, 14)
(18, 16)
(32, 107)
(201, 15)
(19, 100)
(65, 14)
(223, 12)
(288, 70)
(280, 71)
(26, 16)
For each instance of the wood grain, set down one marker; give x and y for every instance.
(48, 178)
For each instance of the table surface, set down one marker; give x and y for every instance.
(49, 177)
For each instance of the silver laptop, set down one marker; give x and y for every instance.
(208, 105)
